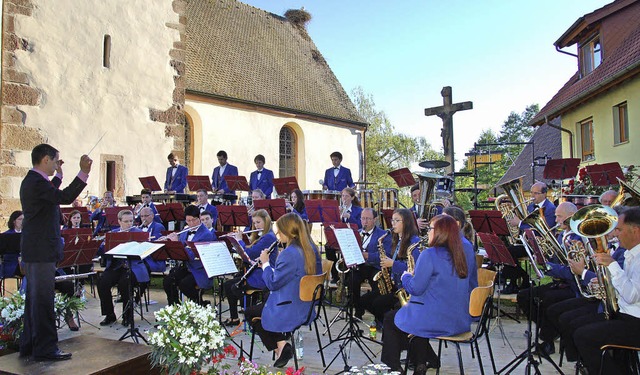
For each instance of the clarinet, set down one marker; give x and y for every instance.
(257, 263)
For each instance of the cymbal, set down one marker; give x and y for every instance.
(434, 164)
(428, 175)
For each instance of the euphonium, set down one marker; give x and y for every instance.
(595, 222)
(577, 252)
(506, 208)
(383, 277)
(547, 241)
(513, 190)
(426, 210)
(401, 294)
(342, 269)
(622, 200)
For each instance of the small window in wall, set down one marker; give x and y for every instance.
(590, 55)
(106, 51)
(288, 160)
(110, 176)
(586, 140)
(620, 123)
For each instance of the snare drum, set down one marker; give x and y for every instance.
(444, 187)
(332, 194)
(388, 199)
(366, 198)
(312, 194)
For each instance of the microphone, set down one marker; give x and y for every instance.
(321, 182)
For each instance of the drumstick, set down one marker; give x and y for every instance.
(94, 146)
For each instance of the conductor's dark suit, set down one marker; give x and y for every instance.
(41, 248)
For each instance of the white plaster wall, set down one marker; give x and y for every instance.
(82, 100)
(243, 134)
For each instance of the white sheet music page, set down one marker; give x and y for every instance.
(349, 246)
(135, 249)
(216, 258)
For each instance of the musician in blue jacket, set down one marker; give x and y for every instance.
(185, 278)
(202, 201)
(100, 214)
(337, 177)
(176, 178)
(297, 204)
(262, 178)
(350, 208)
(259, 241)
(155, 230)
(284, 311)
(147, 201)
(439, 304)
(224, 169)
(9, 264)
(404, 236)
(116, 273)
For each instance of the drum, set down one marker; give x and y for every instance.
(312, 194)
(388, 199)
(331, 194)
(366, 198)
(444, 187)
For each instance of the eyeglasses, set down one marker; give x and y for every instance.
(396, 221)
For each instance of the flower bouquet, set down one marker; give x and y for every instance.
(371, 369)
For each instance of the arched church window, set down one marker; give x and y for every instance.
(288, 160)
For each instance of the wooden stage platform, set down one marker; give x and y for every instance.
(91, 355)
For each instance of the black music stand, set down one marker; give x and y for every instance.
(196, 183)
(605, 174)
(237, 183)
(321, 211)
(112, 240)
(235, 216)
(275, 207)
(403, 177)
(150, 183)
(285, 185)
(9, 244)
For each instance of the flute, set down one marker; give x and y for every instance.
(233, 233)
(256, 263)
(163, 238)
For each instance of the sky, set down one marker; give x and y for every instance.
(499, 54)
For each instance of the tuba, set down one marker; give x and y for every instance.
(547, 241)
(595, 222)
(427, 182)
(506, 208)
(401, 294)
(513, 191)
(622, 199)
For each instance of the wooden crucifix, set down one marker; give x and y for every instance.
(445, 112)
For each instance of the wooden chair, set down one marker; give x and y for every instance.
(486, 276)
(479, 260)
(311, 290)
(479, 306)
(630, 357)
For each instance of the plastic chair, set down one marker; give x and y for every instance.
(311, 290)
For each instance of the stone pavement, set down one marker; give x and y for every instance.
(504, 348)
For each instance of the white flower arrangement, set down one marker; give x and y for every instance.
(371, 369)
(187, 338)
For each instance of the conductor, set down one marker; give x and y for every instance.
(41, 247)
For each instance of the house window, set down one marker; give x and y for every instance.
(590, 55)
(586, 140)
(620, 123)
(287, 152)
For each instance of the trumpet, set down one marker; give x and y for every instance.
(234, 233)
(256, 263)
(164, 238)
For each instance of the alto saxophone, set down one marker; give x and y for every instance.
(401, 294)
(383, 277)
(342, 269)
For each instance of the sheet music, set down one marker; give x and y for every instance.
(215, 258)
(349, 246)
(135, 249)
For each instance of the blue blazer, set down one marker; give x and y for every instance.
(470, 256)
(137, 266)
(179, 180)
(437, 293)
(339, 182)
(101, 216)
(549, 214)
(9, 264)
(155, 231)
(284, 311)
(254, 279)
(218, 181)
(214, 213)
(399, 266)
(302, 214)
(372, 247)
(195, 266)
(265, 183)
(354, 218)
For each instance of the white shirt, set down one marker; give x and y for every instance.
(627, 282)
(221, 170)
(336, 170)
(366, 239)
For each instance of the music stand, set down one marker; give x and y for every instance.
(323, 210)
(489, 221)
(9, 244)
(235, 216)
(275, 207)
(170, 212)
(560, 169)
(150, 183)
(196, 183)
(605, 174)
(385, 218)
(285, 185)
(332, 241)
(237, 183)
(403, 177)
(112, 215)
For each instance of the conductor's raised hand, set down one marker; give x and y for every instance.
(59, 166)
(85, 163)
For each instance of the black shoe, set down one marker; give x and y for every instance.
(285, 356)
(420, 370)
(545, 348)
(58, 355)
(510, 289)
(231, 322)
(109, 319)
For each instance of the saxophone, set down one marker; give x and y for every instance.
(401, 294)
(383, 277)
(342, 269)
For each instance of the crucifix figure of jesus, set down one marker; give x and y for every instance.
(445, 112)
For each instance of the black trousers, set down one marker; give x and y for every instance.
(109, 279)
(332, 254)
(546, 295)
(622, 329)
(378, 304)
(394, 341)
(180, 278)
(40, 336)
(563, 315)
(360, 274)
(269, 339)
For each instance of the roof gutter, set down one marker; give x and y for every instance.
(562, 130)
(566, 53)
